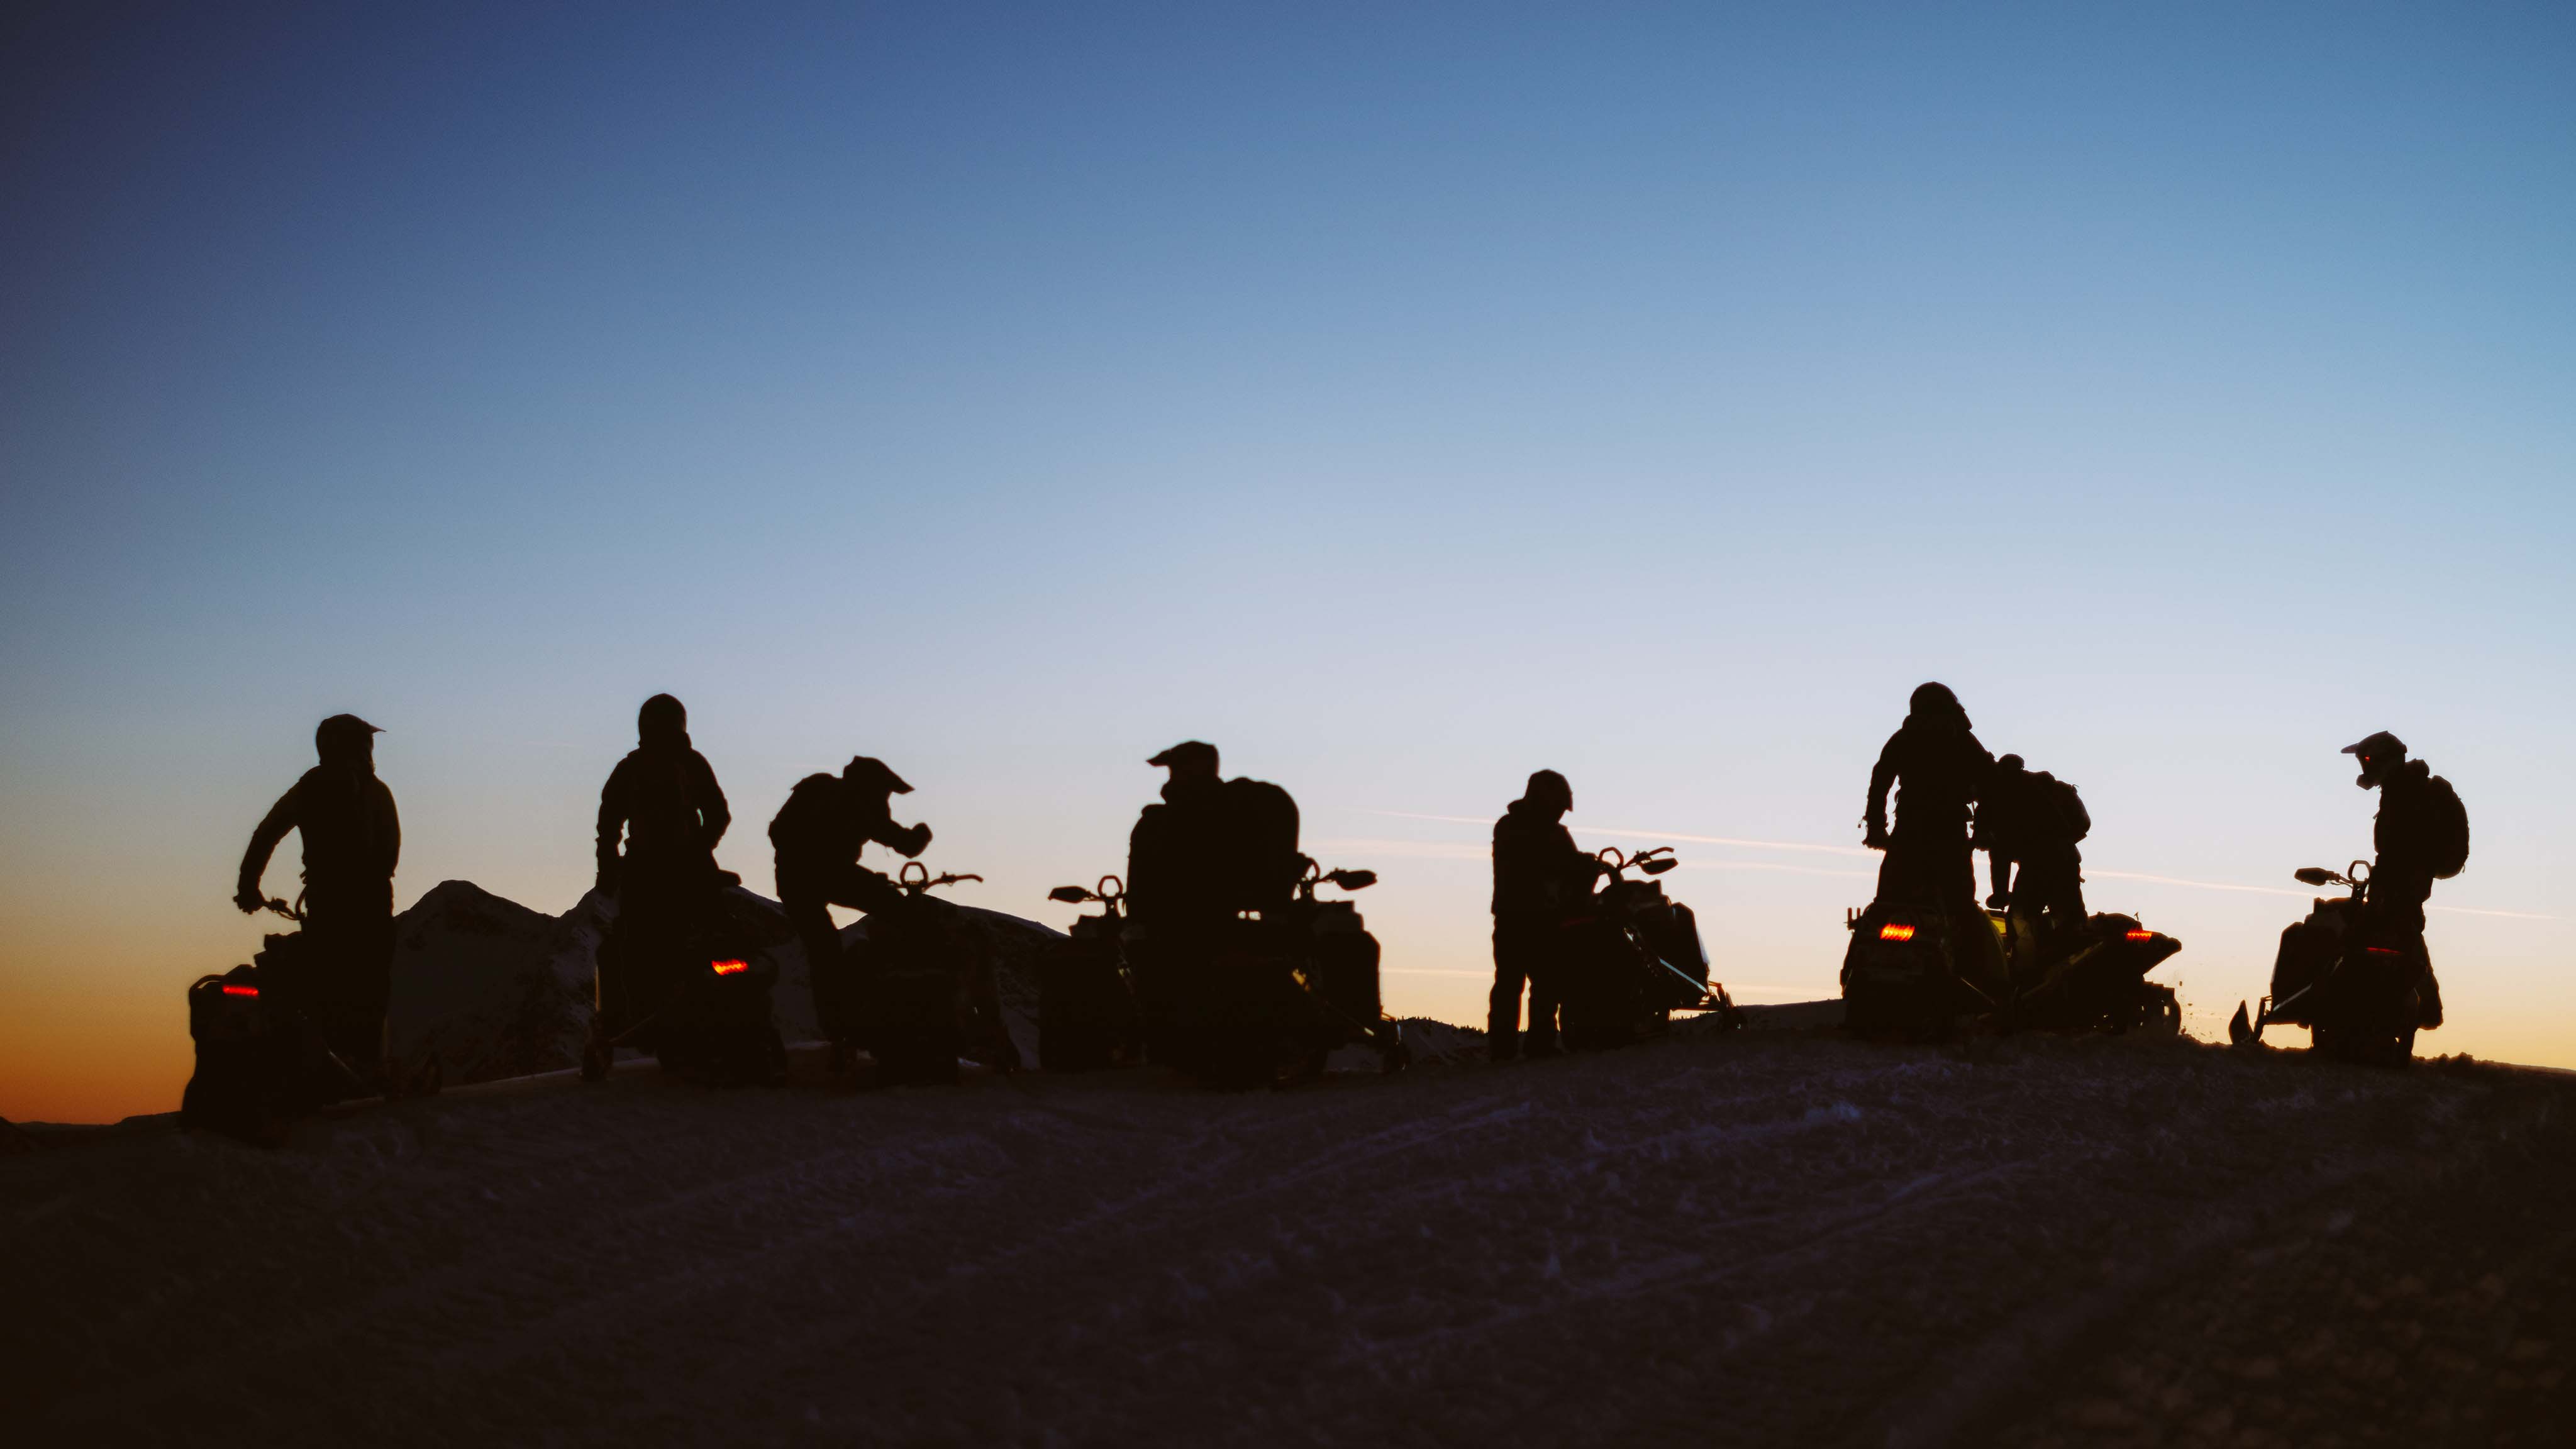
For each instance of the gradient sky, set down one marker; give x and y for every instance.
(1402, 397)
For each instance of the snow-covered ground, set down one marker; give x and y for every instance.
(1774, 1237)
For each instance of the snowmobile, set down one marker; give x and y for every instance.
(925, 995)
(1087, 1014)
(1634, 958)
(263, 1059)
(696, 994)
(1337, 962)
(1915, 971)
(2088, 977)
(2362, 990)
(1276, 993)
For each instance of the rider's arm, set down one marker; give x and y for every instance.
(871, 892)
(905, 840)
(612, 821)
(393, 831)
(281, 818)
(1145, 852)
(1881, 777)
(714, 815)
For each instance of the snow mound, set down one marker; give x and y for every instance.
(500, 990)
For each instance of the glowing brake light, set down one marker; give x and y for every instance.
(241, 991)
(2142, 934)
(1896, 931)
(728, 968)
(2382, 950)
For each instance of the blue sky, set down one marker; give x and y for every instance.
(1402, 400)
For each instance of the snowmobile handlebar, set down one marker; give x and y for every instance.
(1109, 890)
(916, 884)
(1316, 875)
(2355, 875)
(1652, 862)
(294, 912)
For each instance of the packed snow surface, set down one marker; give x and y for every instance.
(1773, 1237)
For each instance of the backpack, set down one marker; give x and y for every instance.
(806, 823)
(2071, 811)
(1261, 826)
(2446, 827)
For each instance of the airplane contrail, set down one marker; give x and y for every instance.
(2090, 872)
(1650, 834)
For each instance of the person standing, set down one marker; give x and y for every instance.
(2419, 836)
(1540, 878)
(1939, 770)
(352, 842)
(661, 812)
(660, 816)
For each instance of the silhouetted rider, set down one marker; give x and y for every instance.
(2420, 834)
(2037, 821)
(1940, 770)
(352, 841)
(817, 836)
(1540, 878)
(1214, 848)
(663, 800)
(1176, 855)
(1210, 852)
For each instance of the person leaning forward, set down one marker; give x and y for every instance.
(1540, 878)
(352, 842)
(817, 838)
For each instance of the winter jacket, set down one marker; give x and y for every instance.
(352, 837)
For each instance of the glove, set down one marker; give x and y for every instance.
(249, 899)
(1874, 835)
(914, 841)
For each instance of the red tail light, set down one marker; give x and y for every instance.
(241, 991)
(1896, 931)
(2142, 934)
(2383, 951)
(729, 968)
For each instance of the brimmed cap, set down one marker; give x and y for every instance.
(2381, 746)
(343, 724)
(868, 772)
(1187, 752)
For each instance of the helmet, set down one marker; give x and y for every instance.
(661, 715)
(2378, 753)
(865, 772)
(1548, 790)
(1934, 704)
(342, 732)
(1188, 754)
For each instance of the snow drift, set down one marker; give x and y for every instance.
(500, 990)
